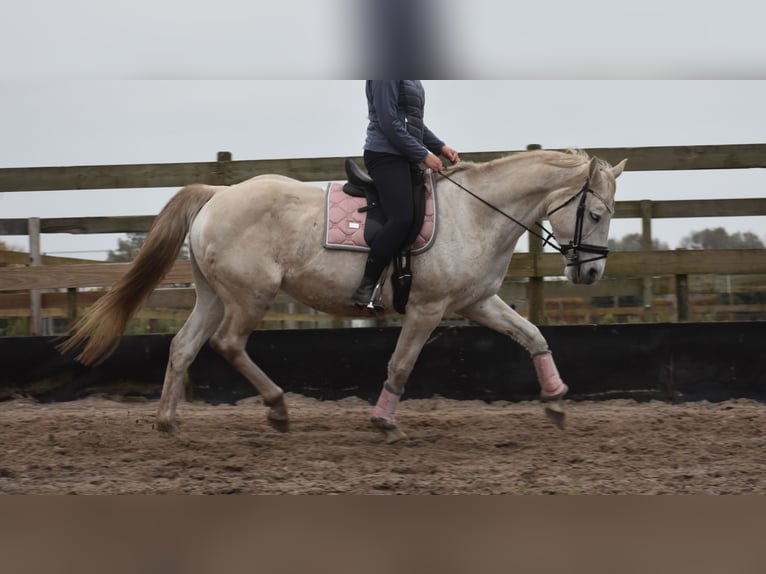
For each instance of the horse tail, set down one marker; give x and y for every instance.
(104, 323)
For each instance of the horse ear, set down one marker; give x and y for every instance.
(593, 169)
(617, 170)
(594, 172)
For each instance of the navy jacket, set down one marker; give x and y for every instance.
(396, 120)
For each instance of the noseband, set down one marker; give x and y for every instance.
(571, 251)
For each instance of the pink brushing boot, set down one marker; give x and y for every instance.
(383, 415)
(552, 388)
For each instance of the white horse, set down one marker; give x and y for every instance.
(249, 240)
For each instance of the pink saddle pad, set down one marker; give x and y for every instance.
(345, 225)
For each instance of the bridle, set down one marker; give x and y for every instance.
(571, 251)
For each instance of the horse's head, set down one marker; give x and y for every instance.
(580, 221)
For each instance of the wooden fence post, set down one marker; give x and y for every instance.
(35, 299)
(535, 295)
(222, 174)
(682, 298)
(646, 244)
(71, 307)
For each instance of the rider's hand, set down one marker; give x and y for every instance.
(450, 154)
(433, 162)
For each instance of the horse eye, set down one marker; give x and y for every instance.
(595, 217)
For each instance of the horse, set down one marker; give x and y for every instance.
(250, 240)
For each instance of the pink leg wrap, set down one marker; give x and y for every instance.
(386, 407)
(551, 384)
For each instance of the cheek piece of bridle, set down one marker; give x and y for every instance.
(572, 249)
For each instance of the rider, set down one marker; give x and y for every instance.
(397, 142)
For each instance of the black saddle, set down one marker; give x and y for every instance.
(359, 182)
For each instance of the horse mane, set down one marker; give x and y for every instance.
(571, 157)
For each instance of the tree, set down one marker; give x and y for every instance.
(128, 248)
(632, 242)
(719, 238)
(5, 247)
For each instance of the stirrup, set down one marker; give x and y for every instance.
(375, 304)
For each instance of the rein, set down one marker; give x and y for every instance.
(571, 251)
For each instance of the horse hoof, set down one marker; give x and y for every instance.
(390, 430)
(382, 424)
(279, 425)
(167, 427)
(277, 417)
(560, 394)
(556, 414)
(394, 435)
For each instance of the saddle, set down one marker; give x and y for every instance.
(360, 184)
(355, 216)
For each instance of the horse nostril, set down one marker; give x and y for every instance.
(593, 273)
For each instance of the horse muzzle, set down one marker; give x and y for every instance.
(585, 263)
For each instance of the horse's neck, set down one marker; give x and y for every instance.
(523, 188)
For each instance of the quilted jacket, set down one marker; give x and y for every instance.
(396, 120)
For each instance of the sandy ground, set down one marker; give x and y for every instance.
(103, 446)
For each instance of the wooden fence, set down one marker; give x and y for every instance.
(645, 285)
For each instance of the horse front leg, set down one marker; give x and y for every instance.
(499, 316)
(419, 323)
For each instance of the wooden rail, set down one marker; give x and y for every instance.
(533, 268)
(662, 209)
(622, 278)
(225, 171)
(621, 263)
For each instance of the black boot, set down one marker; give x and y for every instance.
(362, 297)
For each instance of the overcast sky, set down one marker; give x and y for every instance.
(86, 83)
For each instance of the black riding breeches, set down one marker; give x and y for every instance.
(393, 179)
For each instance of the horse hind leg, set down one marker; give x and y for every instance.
(201, 324)
(229, 341)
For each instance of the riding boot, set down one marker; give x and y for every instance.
(363, 296)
